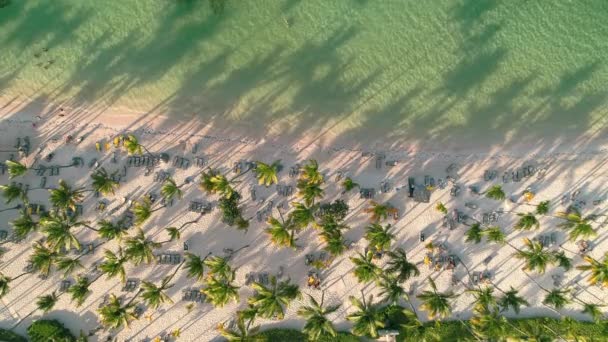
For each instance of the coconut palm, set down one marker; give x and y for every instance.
(594, 311)
(267, 174)
(489, 325)
(437, 304)
(139, 249)
(270, 301)
(440, 207)
(309, 192)
(154, 295)
(495, 193)
(103, 182)
(380, 212)
(542, 208)
(5, 283)
(80, 290)
(132, 145)
(195, 266)
(562, 260)
(114, 265)
(474, 234)
(114, 315)
(495, 234)
(334, 242)
(281, 233)
(171, 190)
(110, 231)
(415, 329)
(557, 298)
(400, 266)
(205, 184)
(391, 290)
(218, 266)
(484, 300)
(42, 259)
(58, 229)
(142, 210)
(582, 230)
(242, 333)
(379, 237)
(317, 324)
(348, 184)
(15, 169)
(310, 173)
(219, 290)
(67, 265)
(12, 191)
(510, 299)
(527, 221)
(64, 197)
(365, 269)
(174, 234)
(578, 225)
(301, 215)
(44, 303)
(23, 225)
(536, 257)
(368, 317)
(599, 270)
(221, 185)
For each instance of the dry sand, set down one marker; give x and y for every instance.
(568, 169)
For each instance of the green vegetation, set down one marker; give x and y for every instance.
(7, 335)
(49, 330)
(287, 335)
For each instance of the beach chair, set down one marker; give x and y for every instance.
(64, 285)
(263, 278)
(308, 259)
(249, 278)
(455, 191)
(185, 164)
(294, 171)
(3, 235)
(391, 163)
(200, 161)
(130, 285)
(385, 187)
(379, 161)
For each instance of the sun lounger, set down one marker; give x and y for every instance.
(294, 171)
(3, 235)
(200, 161)
(367, 193)
(470, 205)
(130, 285)
(64, 285)
(455, 191)
(249, 278)
(385, 187)
(379, 161)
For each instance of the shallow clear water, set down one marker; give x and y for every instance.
(399, 69)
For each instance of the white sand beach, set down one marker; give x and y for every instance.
(577, 164)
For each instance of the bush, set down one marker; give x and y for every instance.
(335, 211)
(288, 335)
(231, 213)
(49, 330)
(9, 336)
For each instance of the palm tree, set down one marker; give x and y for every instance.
(15, 169)
(399, 266)
(599, 270)
(309, 191)
(510, 299)
(317, 323)
(42, 259)
(437, 304)
(365, 269)
(495, 234)
(114, 265)
(542, 208)
(562, 260)
(132, 145)
(484, 300)
(155, 295)
(334, 242)
(527, 221)
(64, 197)
(171, 190)
(379, 237)
(380, 212)
(310, 173)
(368, 317)
(301, 215)
(594, 311)
(582, 230)
(220, 290)
(269, 301)
(557, 298)
(242, 333)
(142, 210)
(12, 192)
(205, 184)
(80, 290)
(536, 257)
(114, 315)
(67, 265)
(579, 226)
(489, 325)
(474, 234)
(440, 207)
(23, 225)
(391, 290)
(221, 185)
(111, 231)
(139, 249)
(281, 233)
(218, 266)
(267, 174)
(417, 330)
(44, 303)
(195, 266)
(103, 182)
(495, 193)
(5, 283)
(348, 184)
(58, 231)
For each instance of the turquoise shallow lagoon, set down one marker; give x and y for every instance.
(398, 69)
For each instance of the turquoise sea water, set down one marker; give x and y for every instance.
(400, 69)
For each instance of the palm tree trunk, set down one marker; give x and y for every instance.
(13, 208)
(23, 319)
(174, 272)
(240, 174)
(21, 275)
(91, 228)
(136, 295)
